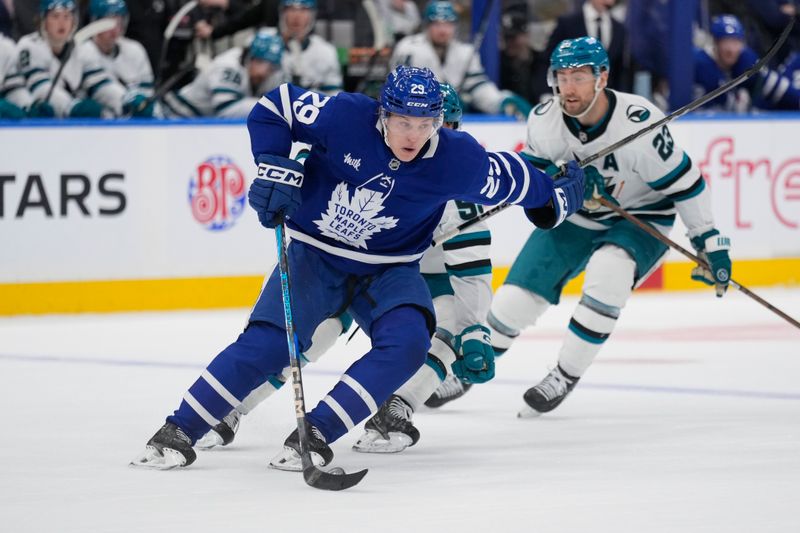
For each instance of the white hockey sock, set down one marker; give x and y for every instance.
(513, 309)
(607, 286)
(324, 337)
(426, 380)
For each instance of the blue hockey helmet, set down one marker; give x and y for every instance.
(451, 105)
(107, 8)
(308, 4)
(412, 91)
(727, 26)
(573, 53)
(267, 47)
(440, 11)
(46, 6)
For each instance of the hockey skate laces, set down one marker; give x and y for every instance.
(554, 385)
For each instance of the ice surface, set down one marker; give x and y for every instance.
(689, 421)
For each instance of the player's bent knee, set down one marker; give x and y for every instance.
(610, 276)
(405, 330)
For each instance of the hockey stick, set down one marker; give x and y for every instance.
(477, 41)
(335, 479)
(691, 106)
(162, 90)
(169, 31)
(80, 37)
(675, 246)
(379, 41)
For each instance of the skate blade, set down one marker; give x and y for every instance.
(209, 440)
(373, 442)
(289, 460)
(528, 412)
(152, 458)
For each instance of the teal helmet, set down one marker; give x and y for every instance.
(107, 8)
(573, 53)
(267, 47)
(46, 6)
(451, 105)
(308, 4)
(440, 11)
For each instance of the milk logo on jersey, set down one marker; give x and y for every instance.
(355, 219)
(217, 193)
(352, 161)
(637, 113)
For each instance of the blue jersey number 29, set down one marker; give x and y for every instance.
(307, 113)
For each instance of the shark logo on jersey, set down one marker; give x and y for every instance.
(353, 162)
(637, 113)
(354, 219)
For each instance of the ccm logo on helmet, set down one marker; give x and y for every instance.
(416, 104)
(280, 174)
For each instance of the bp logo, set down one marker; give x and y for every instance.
(637, 113)
(217, 193)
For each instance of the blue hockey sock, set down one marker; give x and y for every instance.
(400, 343)
(260, 351)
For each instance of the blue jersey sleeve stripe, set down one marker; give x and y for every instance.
(286, 103)
(510, 174)
(267, 103)
(526, 177)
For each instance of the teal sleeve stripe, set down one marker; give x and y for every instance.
(90, 73)
(38, 83)
(472, 88)
(584, 336)
(221, 90)
(696, 188)
(185, 102)
(675, 175)
(470, 236)
(438, 285)
(474, 75)
(93, 89)
(146, 85)
(225, 105)
(538, 162)
(31, 72)
(478, 271)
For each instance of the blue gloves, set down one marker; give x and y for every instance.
(40, 109)
(87, 108)
(713, 249)
(567, 198)
(514, 105)
(474, 355)
(275, 193)
(9, 110)
(136, 105)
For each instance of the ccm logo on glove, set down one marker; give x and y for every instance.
(280, 174)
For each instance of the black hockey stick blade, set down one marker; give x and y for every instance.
(320, 479)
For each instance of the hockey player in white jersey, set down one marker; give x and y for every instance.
(14, 97)
(231, 85)
(651, 178)
(455, 62)
(310, 61)
(84, 88)
(124, 59)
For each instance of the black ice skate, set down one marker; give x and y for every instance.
(222, 434)
(450, 389)
(289, 458)
(169, 448)
(549, 393)
(390, 430)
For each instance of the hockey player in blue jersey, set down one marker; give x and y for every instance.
(361, 213)
(730, 56)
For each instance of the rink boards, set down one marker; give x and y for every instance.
(154, 216)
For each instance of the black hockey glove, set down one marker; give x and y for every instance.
(567, 199)
(275, 193)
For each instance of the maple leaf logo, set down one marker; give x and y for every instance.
(354, 220)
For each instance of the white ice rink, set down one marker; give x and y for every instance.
(689, 421)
